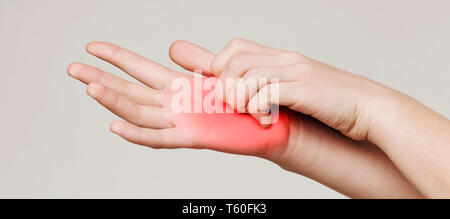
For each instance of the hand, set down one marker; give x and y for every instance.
(339, 99)
(296, 142)
(150, 121)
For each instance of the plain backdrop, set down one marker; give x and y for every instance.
(55, 141)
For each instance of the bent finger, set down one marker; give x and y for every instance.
(238, 46)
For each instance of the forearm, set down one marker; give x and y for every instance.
(417, 140)
(356, 169)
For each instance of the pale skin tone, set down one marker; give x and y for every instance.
(347, 132)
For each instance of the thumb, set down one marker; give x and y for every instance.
(191, 57)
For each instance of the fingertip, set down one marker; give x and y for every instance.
(89, 46)
(116, 126)
(265, 125)
(74, 68)
(176, 42)
(263, 119)
(92, 46)
(173, 47)
(191, 56)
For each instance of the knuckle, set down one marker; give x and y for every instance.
(253, 73)
(115, 53)
(98, 74)
(236, 42)
(235, 62)
(129, 90)
(95, 70)
(259, 76)
(157, 97)
(139, 116)
(215, 67)
(295, 56)
(161, 139)
(140, 66)
(116, 101)
(303, 70)
(303, 66)
(257, 72)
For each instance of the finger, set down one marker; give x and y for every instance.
(154, 138)
(256, 78)
(240, 64)
(282, 73)
(264, 118)
(145, 116)
(138, 93)
(273, 94)
(150, 73)
(191, 57)
(234, 47)
(276, 93)
(238, 95)
(245, 88)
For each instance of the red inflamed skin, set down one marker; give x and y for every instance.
(235, 133)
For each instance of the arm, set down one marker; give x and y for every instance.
(417, 139)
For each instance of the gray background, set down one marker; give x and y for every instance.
(55, 140)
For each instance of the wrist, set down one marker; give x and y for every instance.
(390, 116)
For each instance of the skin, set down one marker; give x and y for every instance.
(333, 128)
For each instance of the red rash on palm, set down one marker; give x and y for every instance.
(235, 132)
